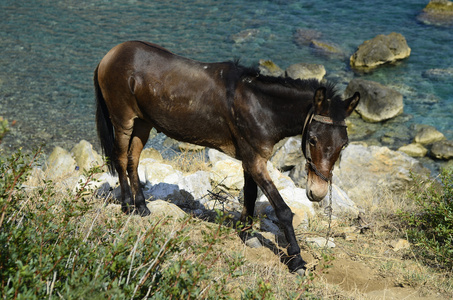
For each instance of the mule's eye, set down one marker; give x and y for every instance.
(344, 146)
(313, 140)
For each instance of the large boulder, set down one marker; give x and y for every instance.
(306, 71)
(380, 50)
(371, 173)
(377, 102)
(288, 153)
(437, 12)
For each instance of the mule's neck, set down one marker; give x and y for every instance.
(290, 107)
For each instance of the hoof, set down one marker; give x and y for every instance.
(296, 264)
(127, 209)
(142, 211)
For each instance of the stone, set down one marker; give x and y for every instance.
(298, 174)
(427, 134)
(442, 149)
(166, 209)
(342, 205)
(306, 71)
(245, 35)
(304, 37)
(215, 156)
(377, 102)
(269, 68)
(325, 48)
(380, 50)
(437, 12)
(253, 242)
(60, 163)
(85, 156)
(288, 153)
(228, 173)
(296, 198)
(156, 172)
(197, 184)
(414, 150)
(366, 173)
(151, 153)
(320, 242)
(439, 74)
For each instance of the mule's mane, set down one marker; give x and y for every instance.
(276, 85)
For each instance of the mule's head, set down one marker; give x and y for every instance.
(323, 139)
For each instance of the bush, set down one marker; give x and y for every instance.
(430, 225)
(4, 128)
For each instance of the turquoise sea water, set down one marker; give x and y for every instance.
(50, 48)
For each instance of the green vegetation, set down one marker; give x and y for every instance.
(64, 244)
(430, 223)
(4, 128)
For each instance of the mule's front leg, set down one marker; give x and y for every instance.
(258, 171)
(250, 194)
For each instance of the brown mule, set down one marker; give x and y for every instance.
(219, 105)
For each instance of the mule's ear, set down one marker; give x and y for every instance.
(351, 103)
(319, 98)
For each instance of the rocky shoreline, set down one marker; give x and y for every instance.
(364, 175)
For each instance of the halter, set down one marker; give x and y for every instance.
(306, 147)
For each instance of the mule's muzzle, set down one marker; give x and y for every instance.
(317, 187)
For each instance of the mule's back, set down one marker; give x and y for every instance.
(185, 99)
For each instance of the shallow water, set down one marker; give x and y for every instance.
(50, 49)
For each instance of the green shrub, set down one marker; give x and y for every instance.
(4, 128)
(430, 224)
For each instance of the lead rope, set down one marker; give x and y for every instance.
(329, 210)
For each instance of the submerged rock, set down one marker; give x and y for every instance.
(245, 35)
(377, 102)
(380, 50)
(326, 48)
(437, 12)
(439, 74)
(304, 37)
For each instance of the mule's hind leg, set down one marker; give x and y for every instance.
(140, 136)
(121, 147)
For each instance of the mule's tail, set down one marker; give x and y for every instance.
(104, 125)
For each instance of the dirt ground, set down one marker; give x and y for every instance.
(365, 265)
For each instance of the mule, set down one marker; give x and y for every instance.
(224, 106)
